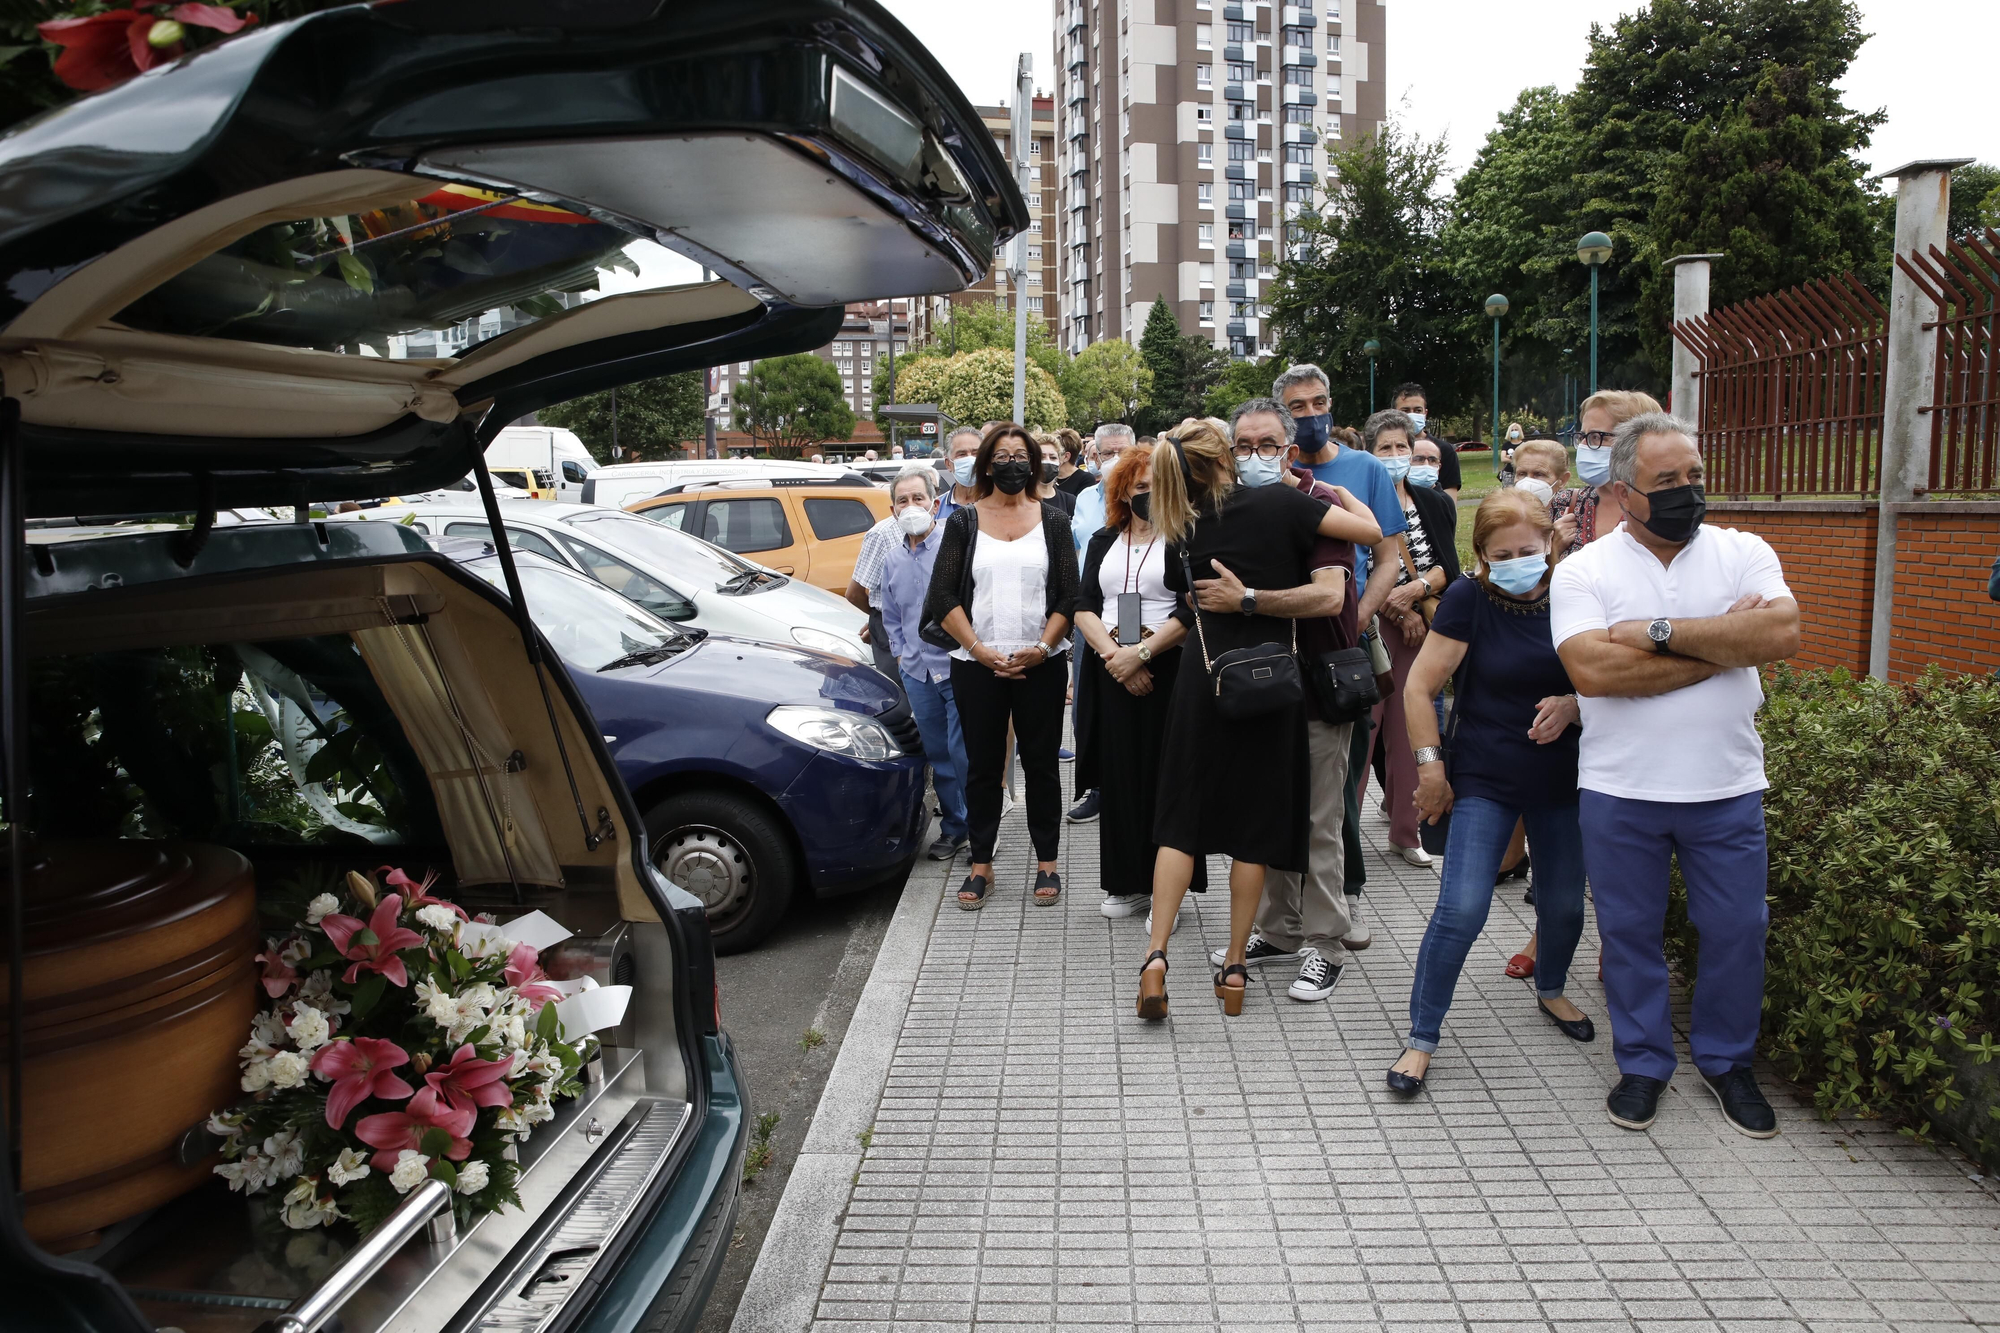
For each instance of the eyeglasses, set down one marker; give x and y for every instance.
(999, 457)
(1265, 451)
(1594, 439)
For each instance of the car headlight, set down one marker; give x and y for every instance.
(834, 731)
(826, 641)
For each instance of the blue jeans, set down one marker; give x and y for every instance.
(1720, 848)
(944, 746)
(1480, 829)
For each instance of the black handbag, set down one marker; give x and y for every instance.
(1249, 682)
(933, 632)
(1342, 684)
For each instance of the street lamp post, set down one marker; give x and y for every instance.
(1371, 348)
(1593, 250)
(1496, 306)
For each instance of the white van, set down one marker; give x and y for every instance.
(544, 451)
(621, 484)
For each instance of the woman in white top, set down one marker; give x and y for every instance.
(1127, 616)
(1003, 589)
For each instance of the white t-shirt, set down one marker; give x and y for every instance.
(1010, 592)
(1694, 744)
(1140, 568)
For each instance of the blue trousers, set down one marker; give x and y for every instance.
(1480, 830)
(1720, 847)
(944, 746)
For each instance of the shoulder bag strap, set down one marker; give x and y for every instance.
(1195, 603)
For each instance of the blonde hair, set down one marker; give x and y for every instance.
(1503, 509)
(1203, 450)
(1554, 453)
(1622, 404)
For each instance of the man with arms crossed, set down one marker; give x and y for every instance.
(1662, 625)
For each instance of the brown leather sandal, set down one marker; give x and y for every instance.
(1231, 996)
(1153, 987)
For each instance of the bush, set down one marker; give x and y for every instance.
(1884, 952)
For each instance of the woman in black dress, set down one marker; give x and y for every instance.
(1233, 787)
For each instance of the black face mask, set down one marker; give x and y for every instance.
(1675, 513)
(1142, 506)
(1048, 472)
(1013, 477)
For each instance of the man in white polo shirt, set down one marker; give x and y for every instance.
(1662, 626)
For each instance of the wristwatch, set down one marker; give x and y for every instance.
(1661, 632)
(1250, 602)
(1145, 653)
(1429, 754)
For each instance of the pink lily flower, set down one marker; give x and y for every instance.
(465, 1075)
(279, 975)
(372, 946)
(359, 1068)
(393, 1131)
(524, 973)
(419, 894)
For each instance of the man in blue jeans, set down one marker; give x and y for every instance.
(1662, 625)
(926, 670)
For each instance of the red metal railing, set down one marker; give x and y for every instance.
(1964, 281)
(1791, 390)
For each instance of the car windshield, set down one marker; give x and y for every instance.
(589, 626)
(675, 554)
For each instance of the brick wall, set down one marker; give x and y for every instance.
(1945, 552)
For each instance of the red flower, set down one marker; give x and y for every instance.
(279, 975)
(465, 1075)
(359, 1069)
(419, 893)
(393, 1131)
(111, 47)
(524, 973)
(372, 947)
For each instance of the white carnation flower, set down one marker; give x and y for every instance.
(322, 906)
(289, 1069)
(472, 1177)
(438, 917)
(412, 1170)
(309, 1028)
(257, 1074)
(347, 1168)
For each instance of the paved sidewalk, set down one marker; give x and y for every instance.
(1041, 1159)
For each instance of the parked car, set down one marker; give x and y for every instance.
(674, 575)
(547, 452)
(619, 484)
(213, 731)
(808, 530)
(534, 483)
(759, 769)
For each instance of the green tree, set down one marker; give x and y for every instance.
(1243, 380)
(1370, 264)
(972, 327)
(790, 402)
(976, 387)
(1975, 200)
(1107, 381)
(654, 417)
(1199, 366)
(1160, 350)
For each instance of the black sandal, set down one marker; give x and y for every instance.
(1231, 996)
(1152, 1001)
(1047, 879)
(978, 899)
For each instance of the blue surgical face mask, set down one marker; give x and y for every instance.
(961, 470)
(1398, 465)
(1417, 420)
(1255, 471)
(1423, 474)
(1593, 465)
(1519, 575)
(1309, 433)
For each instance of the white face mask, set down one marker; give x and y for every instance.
(1536, 487)
(915, 520)
(1418, 421)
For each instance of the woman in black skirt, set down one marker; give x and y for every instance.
(1233, 787)
(1128, 681)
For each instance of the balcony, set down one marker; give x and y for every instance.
(1237, 210)
(1079, 270)
(1296, 96)
(1233, 13)
(1298, 16)
(1238, 250)
(1079, 129)
(1236, 291)
(1236, 171)
(1072, 18)
(1297, 173)
(1238, 329)
(1301, 134)
(1235, 93)
(1236, 129)
(1078, 58)
(1301, 56)
(1234, 55)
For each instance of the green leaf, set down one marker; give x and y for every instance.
(442, 1169)
(354, 270)
(368, 994)
(435, 1142)
(547, 1026)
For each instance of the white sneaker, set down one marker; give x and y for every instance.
(1416, 856)
(1120, 905)
(1258, 951)
(1317, 977)
(1357, 936)
(1149, 921)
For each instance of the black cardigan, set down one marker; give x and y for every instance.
(949, 571)
(1439, 513)
(1090, 595)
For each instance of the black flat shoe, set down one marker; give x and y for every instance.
(976, 885)
(1579, 1029)
(1635, 1102)
(1405, 1085)
(1048, 887)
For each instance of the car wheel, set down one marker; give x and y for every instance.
(732, 854)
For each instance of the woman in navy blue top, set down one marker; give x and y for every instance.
(1511, 754)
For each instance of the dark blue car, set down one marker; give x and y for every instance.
(758, 767)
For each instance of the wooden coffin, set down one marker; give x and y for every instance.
(139, 980)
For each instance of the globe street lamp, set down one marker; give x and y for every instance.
(1370, 348)
(1593, 250)
(1496, 306)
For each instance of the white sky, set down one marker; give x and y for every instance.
(1454, 65)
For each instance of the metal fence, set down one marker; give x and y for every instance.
(1791, 390)
(1964, 281)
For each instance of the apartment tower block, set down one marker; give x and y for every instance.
(1187, 133)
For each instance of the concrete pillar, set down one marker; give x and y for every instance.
(1690, 300)
(1923, 204)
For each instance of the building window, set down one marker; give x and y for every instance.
(1242, 73)
(1204, 191)
(1332, 86)
(1204, 115)
(1036, 226)
(1298, 194)
(1242, 150)
(1239, 231)
(1333, 45)
(1035, 304)
(1204, 76)
(1242, 309)
(1298, 115)
(1034, 252)
(1241, 270)
(1240, 34)
(1034, 148)
(1298, 76)
(1240, 191)
(1299, 152)
(1208, 312)
(1205, 233)
(1204, 152)
(1201, 31)
(1242, 111)
(1206, 274)
(1034, 201)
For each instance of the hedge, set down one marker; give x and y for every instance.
(1882, 980)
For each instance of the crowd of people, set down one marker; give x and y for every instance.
(1248, 617)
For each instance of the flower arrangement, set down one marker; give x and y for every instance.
(403, 1041)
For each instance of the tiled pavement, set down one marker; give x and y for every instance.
(1041, 1159)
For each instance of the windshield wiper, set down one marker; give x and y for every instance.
(645, 656)
(744, 581)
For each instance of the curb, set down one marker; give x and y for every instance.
(783, 1292)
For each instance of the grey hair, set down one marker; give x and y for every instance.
(1110, 428)
(1387, 419)
(1252, 406)
(1625, 441)
(923, 472)
(973, 431)
(1299, 374)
